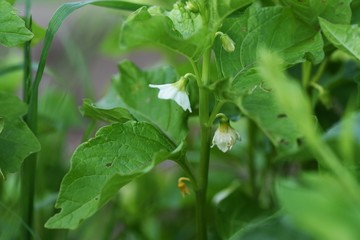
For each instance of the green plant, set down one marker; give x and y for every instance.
(273, 85)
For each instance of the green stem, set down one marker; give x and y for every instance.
(29, 166)
(306, 73)
(251, 163)
(204, 151)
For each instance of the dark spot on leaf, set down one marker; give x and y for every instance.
(283, 141)
(108, 164)
(96, 199)
(299, 141)
(281, 115)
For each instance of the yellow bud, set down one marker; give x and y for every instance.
(184, 189)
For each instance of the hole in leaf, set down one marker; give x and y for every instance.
(108, 164)
(283, 141)
(299, 141)
(281, 115)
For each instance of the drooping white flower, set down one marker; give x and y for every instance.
(175, 91)
(225, 136)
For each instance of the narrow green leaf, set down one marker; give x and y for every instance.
(179, 30)
(336, 11)
(16, 139)
(118, 154)
(344, 37)
(110, 115)
(12, 28)
(322, 206)
(133, 88)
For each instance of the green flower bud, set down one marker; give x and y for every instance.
(192, 6)
(227, 43)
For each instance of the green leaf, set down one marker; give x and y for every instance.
(118, 154)
(261, 28)
(336, 11)
(16, 139)
(275, 227)
(38, 31)
(110, 115)
(261, 106)
(12, 28)
(2, 123)
(133, 88)
(179, 30)
(220, 9)
(322, 206)
(233, 210)
(344, 37)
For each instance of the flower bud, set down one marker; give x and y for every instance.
(192, 6)
(227, 43)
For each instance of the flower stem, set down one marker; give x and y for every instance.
(204, 151)
(27, 173)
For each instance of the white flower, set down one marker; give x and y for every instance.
(225, 136)
(175, 91)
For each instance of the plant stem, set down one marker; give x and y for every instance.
(29, 165)
(306, 73)
(251, 160)
(204, 151)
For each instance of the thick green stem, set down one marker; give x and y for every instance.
(204, 151)
(29, 165)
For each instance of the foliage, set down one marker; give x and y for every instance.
(277, 81)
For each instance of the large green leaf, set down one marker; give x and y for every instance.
(16, 139)
(261, 106)
(336, 11)
(133, 88)
(322, 206)
(111, 115)
(12, 28)
(344, 37)
(179, 30)
(114, 157)
(274, 28)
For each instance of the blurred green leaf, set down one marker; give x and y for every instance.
(118, 154)
(39, 33)
(12, 28)
(321, 206)
(111, 115)
(234, 209)
(275, 227)
(16, 139)
(334, 11)
(58, 108)
(142, 102)
(179, 30)
(344, 37)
